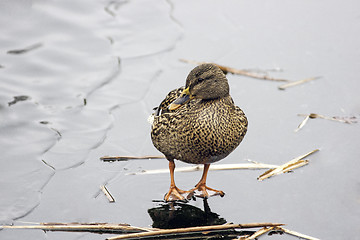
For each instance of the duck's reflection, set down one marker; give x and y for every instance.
(179, 215)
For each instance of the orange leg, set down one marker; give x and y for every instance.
(201, 186)
(174, 192)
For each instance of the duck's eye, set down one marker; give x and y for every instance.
(200, 80)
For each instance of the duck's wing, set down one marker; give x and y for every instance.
(172, 95)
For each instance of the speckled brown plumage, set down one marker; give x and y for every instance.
(205, 129)
(201, 131)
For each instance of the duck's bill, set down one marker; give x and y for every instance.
(183, 99)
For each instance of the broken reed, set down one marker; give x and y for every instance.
(292, 164)
(348, 120)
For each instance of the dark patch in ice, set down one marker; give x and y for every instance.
(18, 99)
(26, 49)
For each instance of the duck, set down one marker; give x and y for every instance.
(198, 124)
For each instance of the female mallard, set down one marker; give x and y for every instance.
(198, 124)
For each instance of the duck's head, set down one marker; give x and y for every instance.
(206, 81)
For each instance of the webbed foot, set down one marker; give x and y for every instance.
(203, 189)
(175, 194)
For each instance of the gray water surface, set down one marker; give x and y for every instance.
(87, 75)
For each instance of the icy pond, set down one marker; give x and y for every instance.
(78, 80)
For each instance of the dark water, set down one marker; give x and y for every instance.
(79, 79)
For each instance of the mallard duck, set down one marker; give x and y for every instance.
(198, 124)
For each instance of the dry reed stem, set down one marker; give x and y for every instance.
(294, 83)
(192, 229)
(300, 235)
(260, 232)
(212, 168)
(294, 163)
(302, 124)
(107, 193)
(348, 120)
(79, 227)
(293, 166)
(337, 119)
